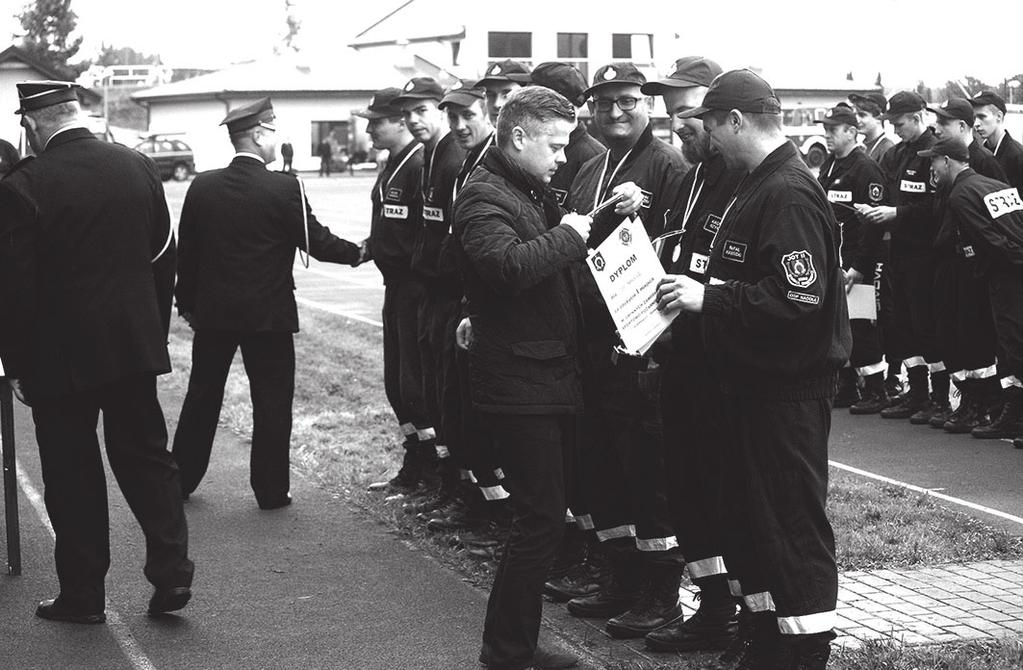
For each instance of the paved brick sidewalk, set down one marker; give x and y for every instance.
(910, 606)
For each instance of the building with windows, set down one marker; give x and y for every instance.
(313, 102)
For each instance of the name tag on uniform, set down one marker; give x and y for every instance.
(396, 211)
(698, 263)
(1003, 202)
(839, 196)
(433, 214)
(394, 194)
(734, 251)
(712, 223)
(913, 186)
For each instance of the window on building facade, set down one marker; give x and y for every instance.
(517, 46)
(635, 47)
(574, 48)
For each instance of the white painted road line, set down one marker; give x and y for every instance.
(333, 310)
(931, 492)
(374, 282)
(120, 631)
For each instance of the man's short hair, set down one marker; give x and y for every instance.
(529, 108)
(762, 122)
(53, 114)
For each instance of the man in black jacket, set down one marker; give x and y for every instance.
(989, 121)
(86, 273)
(776, 328)
(523, 360)
(239, 229)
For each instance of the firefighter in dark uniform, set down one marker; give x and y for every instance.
(909, 216)
(986, 216)
(624, 459)
(989, 121)
(691, 402)
(572, 575)
(776, 328)
(239, 229)
(465, 106)
(849, 177)
(966, 331)
(394, 229)
(500, 80)
(569, 82)
(869, 109)
(86, 275)
(433, 284)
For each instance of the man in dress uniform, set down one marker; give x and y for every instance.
(435, 282)
(776, 328)
(393, 234)
(87, 270)
(989, 122)
(524, 358)
(987, 218)
(966, 332)
(239, 229)
(850, 178)
(624, 461)
(500, 80)
(690, 398)
(569, 82)
(909, 216)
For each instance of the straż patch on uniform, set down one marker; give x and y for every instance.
(712, 223)
(875, 192)
(805, 298)
(912, 186)
(433, 214)
(734, 251)
(396, 211)
(1002, 202)
(839, 196)
(560, 195)
(798, 267)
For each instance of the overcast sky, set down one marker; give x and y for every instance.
(907, 40)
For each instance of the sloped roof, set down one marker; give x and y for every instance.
(347, 71)
(412, 21)
(16, 53)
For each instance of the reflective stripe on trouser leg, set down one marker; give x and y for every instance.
(425, 434)
(735, 588)
(584, 521)
(627, 530)
(868, 370)
(936, 367)
(656, 543)
(1010, 381)
(807, 624)
(442, 451)
(913, 361)
(408, 429)
(759, 602)
(707, 567)
(494, 492)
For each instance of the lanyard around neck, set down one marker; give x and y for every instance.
(601, 188)
(385, 186)
(475, 164)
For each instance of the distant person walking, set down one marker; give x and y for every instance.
(86, 274)
(323, 150)
(287, 155)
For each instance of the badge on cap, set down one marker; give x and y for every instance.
(944, 105)
(828, 114)
(495, 69)
(410, 85)
(610, 74)
(457, 85)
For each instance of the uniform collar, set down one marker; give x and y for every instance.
(249, 155)
(72, 131)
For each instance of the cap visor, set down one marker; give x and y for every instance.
(694, 113)
(405, 97)
(658, 87)
(927, 153)
(463, 99)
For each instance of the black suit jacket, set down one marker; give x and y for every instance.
(82, 303)
(240, 227)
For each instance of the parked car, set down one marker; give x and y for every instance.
(173, 157)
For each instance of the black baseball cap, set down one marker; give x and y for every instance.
(561, 77)
(33, 95)
(506, 70)
(838, 115)
(950, 147)
(249, 116)
(616, 73)
(689, 71)
(381, 105)
(743, 90)
(988, 98)
(904, 102)
(420, 88)
(873, 102)
(954, 108)
(463, 92)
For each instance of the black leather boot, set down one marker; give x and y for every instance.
(875, 396)
(1008, 423)
(848, 393)
(712, 627)
(619, 589)
(411, 472)
(757, 645)
(809, 652)
(574, 573)
(915, 400)
(938, 406)
(658, 604)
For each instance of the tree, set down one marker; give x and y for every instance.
(111, 55)
(46, 34)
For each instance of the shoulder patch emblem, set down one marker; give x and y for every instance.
(875, 192)
(798, 267)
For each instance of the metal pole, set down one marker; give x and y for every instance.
(10, 479)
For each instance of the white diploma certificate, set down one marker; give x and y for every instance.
(862, 304)
(627, 271)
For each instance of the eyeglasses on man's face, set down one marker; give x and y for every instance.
(626, 104)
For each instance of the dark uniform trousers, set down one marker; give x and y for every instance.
(439, 316)
(530, 448)
(966, 329)
(135, 436)
(403, 374)
(887, 326)
(785, 549)
(269, 359)
(1006, 298)
(913, 303)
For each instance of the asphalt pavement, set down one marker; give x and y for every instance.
(314, 585)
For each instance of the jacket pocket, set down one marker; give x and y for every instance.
(540, 350)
